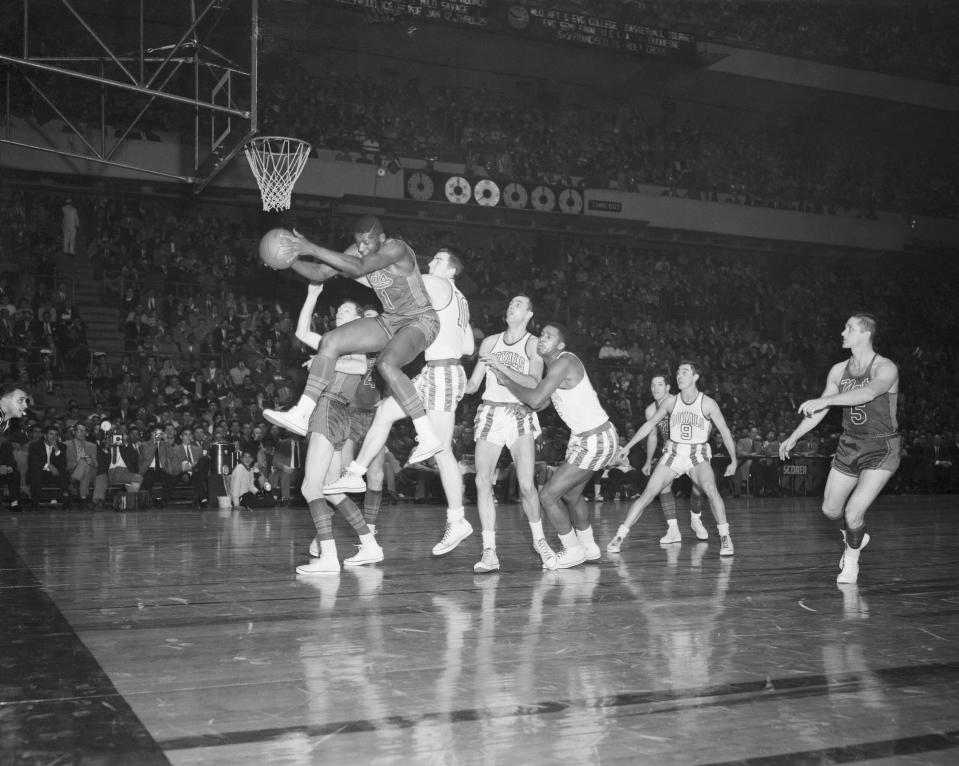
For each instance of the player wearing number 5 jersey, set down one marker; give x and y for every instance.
(691, 416)
(866, 386)
(406, 327)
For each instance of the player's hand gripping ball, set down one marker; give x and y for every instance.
(276, 251)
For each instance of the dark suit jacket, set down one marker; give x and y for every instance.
(37, 456)
(148, 450)
(128, 452)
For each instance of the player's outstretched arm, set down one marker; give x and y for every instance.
(651, 441)
(647, 428)
(537, 396)
(304, 329)
(817, 413)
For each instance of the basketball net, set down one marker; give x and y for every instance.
(276, 163)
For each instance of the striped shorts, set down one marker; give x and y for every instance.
(331, 418)
(441, 385)
(503, 424)
(593, 450)
(682, 458)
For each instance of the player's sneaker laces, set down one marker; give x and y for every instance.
(455, 533)
(545, 553)
(672, 535)
(319, 566)
(348, 482)
(570, 557)
(295, 420)
(696, 524)
(488, 563)
(850, 562)
(726, 546)
(425, 449)
(369, 553)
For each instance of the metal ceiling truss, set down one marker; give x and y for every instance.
(221, 127)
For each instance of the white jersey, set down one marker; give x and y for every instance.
(579, 406)
(512, 355)
(454, 313)
(687, 423)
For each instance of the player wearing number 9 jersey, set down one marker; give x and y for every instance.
(866, 386)
(691, 416)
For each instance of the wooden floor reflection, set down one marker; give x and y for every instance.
(184, 637)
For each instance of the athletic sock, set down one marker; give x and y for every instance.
(489, 539)
(536, 527)
(454, 514)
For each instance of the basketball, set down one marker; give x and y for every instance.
(271, 253)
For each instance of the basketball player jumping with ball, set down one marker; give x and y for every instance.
(406, 327)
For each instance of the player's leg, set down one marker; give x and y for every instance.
(662, 475)
(696, 513)
(486, 454)
(361, 336)
(866, 490)
(559, 499)
(703, 476)
(318, 456)
(667, 501)
(523, 450)
(373, 499)
(369, 550)
(403, 348)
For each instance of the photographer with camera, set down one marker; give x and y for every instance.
(154, 466)
(116, 461)
(248, 487)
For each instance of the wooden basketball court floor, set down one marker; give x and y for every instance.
(184, 637)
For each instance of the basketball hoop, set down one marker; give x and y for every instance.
(276, 163)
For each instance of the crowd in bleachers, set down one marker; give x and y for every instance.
(611, 143)
(210, 358)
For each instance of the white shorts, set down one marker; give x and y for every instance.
(593, 450)
(682, 458)
(441, 386)
(503, 424)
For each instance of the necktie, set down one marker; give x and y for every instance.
(156, 458)
(116, 453)
(189, 454)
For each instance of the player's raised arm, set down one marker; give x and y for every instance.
(536, 396)
(304, 323)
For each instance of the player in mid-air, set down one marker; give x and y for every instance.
(440, 384)
(406, 327)
(866, 386)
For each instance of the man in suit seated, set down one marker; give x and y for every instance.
(9, 475)
(81, 462)
(190, 463)
(155, 456)
(287, 464)
(47, 467)
(117, 463)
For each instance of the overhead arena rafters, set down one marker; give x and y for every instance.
(107, 70)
